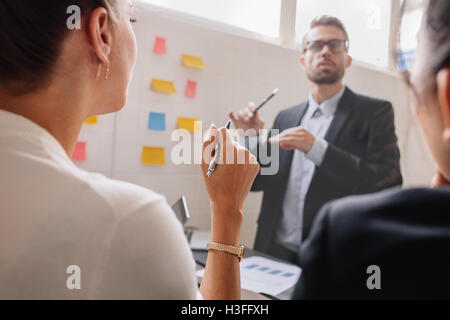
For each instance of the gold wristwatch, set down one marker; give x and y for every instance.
(237, 251)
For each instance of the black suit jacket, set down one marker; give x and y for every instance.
(362, 157)
(405, 233)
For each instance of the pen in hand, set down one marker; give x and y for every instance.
(273, 94)
(215, 159)
(247, 118)
(213, 163)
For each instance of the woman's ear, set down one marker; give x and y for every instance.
(302, 60)
(349, 61)
(443, 93)
(100, 35)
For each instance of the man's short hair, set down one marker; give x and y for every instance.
(325, 20)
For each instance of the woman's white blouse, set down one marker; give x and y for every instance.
(69, 234)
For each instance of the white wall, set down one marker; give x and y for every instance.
(238, 70)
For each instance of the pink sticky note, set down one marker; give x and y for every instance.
(160, 46)
(79, 154)
(191, 89)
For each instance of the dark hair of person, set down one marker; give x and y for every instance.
(437, 25)
(31, 36)
(326, 20)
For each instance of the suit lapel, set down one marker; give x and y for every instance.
(343, 112)
(296, 117)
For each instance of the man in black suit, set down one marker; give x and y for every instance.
(336, 144)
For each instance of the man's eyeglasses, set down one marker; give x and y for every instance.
(335, 45)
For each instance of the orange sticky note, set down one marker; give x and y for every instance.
(193, 62)
(189, 124)
(160, 46)
(92, 120)
(79, 154)
(191, 89)
(164, 86)
(153, 156)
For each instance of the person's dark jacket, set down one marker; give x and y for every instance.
(404, 233)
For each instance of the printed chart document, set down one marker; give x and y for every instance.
(264, 275)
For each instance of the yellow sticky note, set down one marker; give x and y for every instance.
(92, 120)
(193, 62)
(164, 86)
(153, 155)
(189, 124)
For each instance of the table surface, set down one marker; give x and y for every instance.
(201, 255)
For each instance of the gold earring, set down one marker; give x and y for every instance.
(99, 70)
(107, 73)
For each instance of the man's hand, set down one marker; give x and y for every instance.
(246, 119)
(297, 138)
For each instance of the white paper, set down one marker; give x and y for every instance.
(262, 275)
(199, 240)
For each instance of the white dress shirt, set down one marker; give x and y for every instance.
(316, 121)
(125, 239)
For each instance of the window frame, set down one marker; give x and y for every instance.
(287, 35)
(208, 23)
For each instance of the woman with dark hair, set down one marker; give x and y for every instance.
(394, 244)
(69, 234)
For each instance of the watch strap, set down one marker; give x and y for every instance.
(237, 251)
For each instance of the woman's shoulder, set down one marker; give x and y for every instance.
(384, 218)
(401, 205)
(147, 241)
(119, 197)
